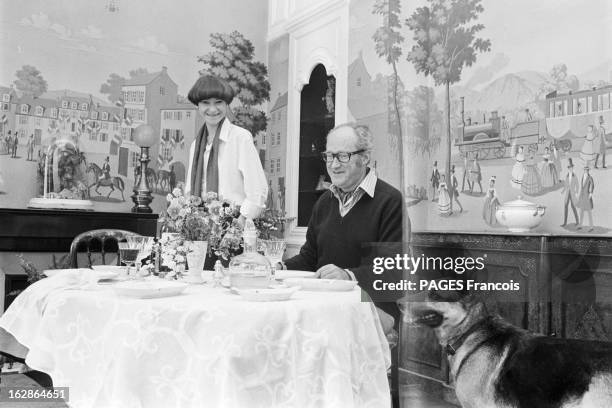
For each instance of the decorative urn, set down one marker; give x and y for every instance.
(520, 215)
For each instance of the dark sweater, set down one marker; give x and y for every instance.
(350, 242)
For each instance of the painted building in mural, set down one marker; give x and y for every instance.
(179, 125)
(143, 97)
(89, 124)
(7, 109)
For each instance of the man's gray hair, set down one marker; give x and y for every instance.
(365, 140)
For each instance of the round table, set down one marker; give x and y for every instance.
(204, 348)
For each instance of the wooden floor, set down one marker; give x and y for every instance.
(411, 398)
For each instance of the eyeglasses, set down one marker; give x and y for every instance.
(342, 157)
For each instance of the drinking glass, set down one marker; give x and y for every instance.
(128, 255)
(144, 245)
(274, 250)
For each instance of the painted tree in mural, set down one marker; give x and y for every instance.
(388, 45)
(396, 95)
(424, 120)
(30, 81)
(559, 81)
(445, 42)
(112, 86)
(232, 60)
(388, 42)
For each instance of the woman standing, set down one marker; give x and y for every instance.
(223, 158)
(444, 198)
(491, 204)
(587, 153)
(532, 184)
(518, 170)
(549, 174)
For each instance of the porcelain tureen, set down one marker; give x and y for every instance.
(520, 215)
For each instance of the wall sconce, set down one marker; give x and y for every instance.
(144, 137)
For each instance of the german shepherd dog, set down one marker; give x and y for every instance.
(497, 365)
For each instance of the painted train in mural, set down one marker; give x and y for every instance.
(568, 116)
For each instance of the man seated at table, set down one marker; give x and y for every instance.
(351, 220)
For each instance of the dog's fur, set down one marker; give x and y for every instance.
(497, 365)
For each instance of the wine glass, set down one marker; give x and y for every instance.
(273, 250)
(144, 246)
(128, 254)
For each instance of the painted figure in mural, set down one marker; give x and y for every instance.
(8, 140)
(548, 171)
(30, 147)
(556, 158)
(532, 184)
(435, 180)
(518, 170)
(466, 171)
(281, 199)
(444, 198)
(359, 209)
(15, 144)
(106, 169)
(585, 198)
(491, 204)
(223, 158)
(587, 153)
(601, 135)
(475, 174)
(528, 115)
(505, 129)
(172, 178)
(570, 192)
(455, 188)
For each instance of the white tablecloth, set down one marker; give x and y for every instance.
(204, 348)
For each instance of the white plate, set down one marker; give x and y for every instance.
(321, 284)
(95, 274)
(109, 268)
(280, 275)
(266, 295)
(149, 289)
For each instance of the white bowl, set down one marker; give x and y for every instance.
(336, 285)
(520, 215)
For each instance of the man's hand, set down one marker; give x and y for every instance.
(331, 271)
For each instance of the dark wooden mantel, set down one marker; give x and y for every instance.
(36, 230)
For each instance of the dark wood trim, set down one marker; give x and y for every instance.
(34, 230)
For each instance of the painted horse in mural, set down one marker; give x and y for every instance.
(112, 182)
(165, 180)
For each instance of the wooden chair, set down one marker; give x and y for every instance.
(99, 240)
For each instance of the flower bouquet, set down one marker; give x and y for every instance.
(271, 224)
(211, 219)
(226, 235)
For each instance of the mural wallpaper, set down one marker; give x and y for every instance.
(495, 100)
(63, 76)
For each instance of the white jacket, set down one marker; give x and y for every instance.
(241, 176)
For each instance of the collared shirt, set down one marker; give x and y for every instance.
(241, 176)
(346, 201)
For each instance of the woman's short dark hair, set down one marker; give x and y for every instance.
(209, 86)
